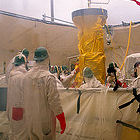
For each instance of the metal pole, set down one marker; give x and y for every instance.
(4, 67)
(52, 11)
(44, 16)
(89, 3)
(99, 2)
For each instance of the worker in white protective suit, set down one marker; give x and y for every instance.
(135, 84)
(66, 78)
(90, 80)
(63, 77)
(15, 100)
(42, 102)
(136, 81)
(25, 54)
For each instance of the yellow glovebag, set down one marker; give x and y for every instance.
(91, 49)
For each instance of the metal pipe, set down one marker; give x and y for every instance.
(89, 3)
(56, 19)
(100, 2)
(4, 67)
(52, 10)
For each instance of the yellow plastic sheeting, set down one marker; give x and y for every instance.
(91, 49)
(98, 114)
(130, 134)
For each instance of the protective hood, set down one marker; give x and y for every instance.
(42, 65)
(18, 70)
(91, 83)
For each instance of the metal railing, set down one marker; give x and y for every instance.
(45, 16)
(90, 2)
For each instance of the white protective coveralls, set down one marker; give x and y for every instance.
(42, 103)
(136, 82)
(15, 104)
(11, 66)
(67, 79)
(58, 82)
(91, 83)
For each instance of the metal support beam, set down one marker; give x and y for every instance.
(89, 3)
(52, 10)
(100, 2)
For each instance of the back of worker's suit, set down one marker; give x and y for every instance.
(15, 102)
(42, 103)
(24, 53)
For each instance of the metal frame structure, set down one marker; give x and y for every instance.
(91, 2)
(52, 10)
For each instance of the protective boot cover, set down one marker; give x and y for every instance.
(42, 102)
(15, 104)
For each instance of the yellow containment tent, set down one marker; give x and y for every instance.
(91, 44)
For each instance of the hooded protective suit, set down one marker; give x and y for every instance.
(9, 69)
(90, 80)
(91, 83)
(67, 80)
(58, 82)
(136, 82)
(15, 104)
(11, 65)
(42, 103)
